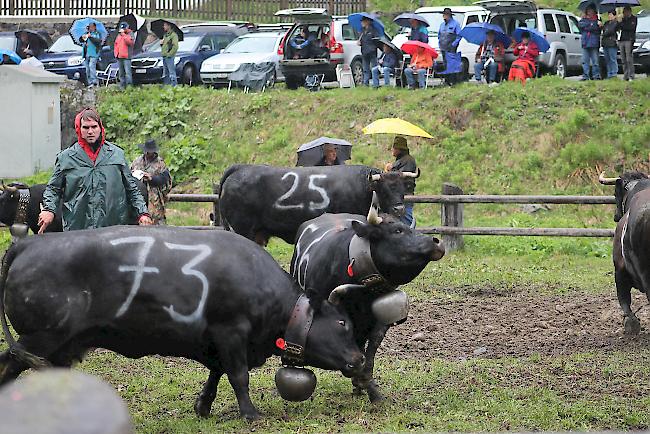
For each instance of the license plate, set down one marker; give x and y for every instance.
(140, 71)
(222, 75)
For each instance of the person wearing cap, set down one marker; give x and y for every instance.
(123, 50)
(590, 29)
(627, 27)
(93, 180)
(329, 156)
(368, 48)
(92, 44)
(489, 56)
(31, 61)
(404, 162)
(156, 177)
(448, 39)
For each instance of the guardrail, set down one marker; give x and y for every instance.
(452, 200)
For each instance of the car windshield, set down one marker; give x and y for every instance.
(643, 24)
(64, 45)
(251, 45)
(435, 19)
(189, 43)
(8, 42)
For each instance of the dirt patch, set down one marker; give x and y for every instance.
(516, 325)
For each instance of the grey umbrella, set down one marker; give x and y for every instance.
(310, 154)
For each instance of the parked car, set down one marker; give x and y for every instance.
(8, 41)
(200, 42)
(559, 27)
(257, 47)
(343, 48)
(464, 15)
(64, 58)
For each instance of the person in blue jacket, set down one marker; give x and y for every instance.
(448, 40)
(386, 64)
(302, 43)
(419, 32)
(590, 28)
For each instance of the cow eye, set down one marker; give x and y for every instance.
(342, 323)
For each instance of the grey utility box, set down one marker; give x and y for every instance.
(30, 120)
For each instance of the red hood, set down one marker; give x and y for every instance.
(77, 128)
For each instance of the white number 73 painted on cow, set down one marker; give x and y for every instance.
(140, 269)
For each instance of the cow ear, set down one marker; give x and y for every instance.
(364, 230)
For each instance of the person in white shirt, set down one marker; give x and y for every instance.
(31, 61)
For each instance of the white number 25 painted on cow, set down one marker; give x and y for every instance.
(313, 206)
(139, 269)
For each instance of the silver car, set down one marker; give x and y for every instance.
(249, 48)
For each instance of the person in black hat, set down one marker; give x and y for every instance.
(404, 162)
(151, 169)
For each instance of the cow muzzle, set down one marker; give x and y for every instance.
(438, 250)
(355, 366)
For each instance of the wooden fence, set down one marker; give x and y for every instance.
(452, 202)
(256, 11)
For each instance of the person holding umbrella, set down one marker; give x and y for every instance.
(422, 56)
(31, 61)
(448, 40)
(590, 29)
(368, 48)
(386, 64)
(609, 44)
(524, 66)
(169, 48)
(92, 44)
(419, 31)
(123, 50)
(627, 27)
(489, 56)
(329, 156)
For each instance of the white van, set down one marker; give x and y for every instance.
(464, 15)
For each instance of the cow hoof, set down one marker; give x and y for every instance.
(632, 326)
(357, 391)
(202, 409)
(251, 416)
(375, 397)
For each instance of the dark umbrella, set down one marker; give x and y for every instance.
(134, 21)
(137, 24)
(380, 42)
(157, 29)
(584, 4)
(38, 39)
(310, 154)
(404, 20)
(619, 3)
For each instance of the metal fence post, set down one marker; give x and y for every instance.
(216, 215)
(451, 214)
(12, 7)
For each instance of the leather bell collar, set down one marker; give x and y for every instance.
(362, 268)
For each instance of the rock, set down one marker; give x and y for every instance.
(531, 208)
(479, 351)
(418, 337)
(352, 124)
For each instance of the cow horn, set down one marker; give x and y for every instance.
(373, 214)
(9, 188)
(607, 181)
(337, 293)
(375, 177)
(411, 174)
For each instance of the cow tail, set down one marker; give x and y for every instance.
(229, 171)
(15, 349)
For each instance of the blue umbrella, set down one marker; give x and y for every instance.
(476, 33)
(12, 55)
(404, 19)
(355, 22)
(619, 3)
(535, 36)
(80, 27)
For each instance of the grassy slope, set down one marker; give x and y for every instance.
(482, 143)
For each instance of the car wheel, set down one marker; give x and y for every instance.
(357, 72)
(292, 82)
(188, 75)
(559, 67)
(465, 71)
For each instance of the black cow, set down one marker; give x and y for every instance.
(323, 258)
(9, 198)
(259, 202)
(631, 251)
(215, 298)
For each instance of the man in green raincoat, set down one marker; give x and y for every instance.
(93, 179)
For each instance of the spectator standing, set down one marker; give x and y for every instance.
(489, 56)
(92, 46)
(123, 50)
(448, 40)
(93, 180)
(368, 48)
(404, 162)
(386, 64)
(156, 177)
(590, 28)
(168, 52)
(627, 27)
(420, 62)
(608, 42)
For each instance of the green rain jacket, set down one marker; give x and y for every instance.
(94, 195)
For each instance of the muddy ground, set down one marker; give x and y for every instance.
(516, 325)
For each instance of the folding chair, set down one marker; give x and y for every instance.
(399, 73)
(430, 74)
(107, 76)
(313, 82)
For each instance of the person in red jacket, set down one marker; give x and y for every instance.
(123, 49)
(524, 66)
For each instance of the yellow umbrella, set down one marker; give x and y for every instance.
(395, 126)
